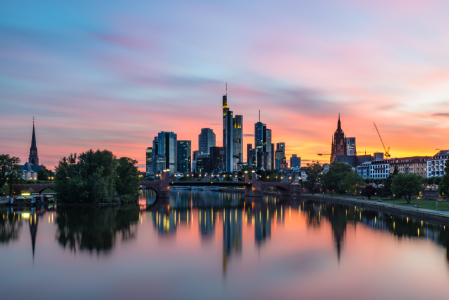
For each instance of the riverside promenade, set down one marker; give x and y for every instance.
(415, 212)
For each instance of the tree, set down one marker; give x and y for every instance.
(333, 179)
(352, 182)
(406, 185)
(10, 171)
(386, 191)
(93, 177)
(127, 182)
(313, 172)
(369, 191)
(44, 174)
(443, 186)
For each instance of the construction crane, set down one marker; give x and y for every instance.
(387, 151)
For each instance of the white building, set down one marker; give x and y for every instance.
(379, 169)
(435, 165)
(364, 169)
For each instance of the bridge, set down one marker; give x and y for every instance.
(253, 188)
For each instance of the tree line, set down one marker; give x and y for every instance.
(342, 179)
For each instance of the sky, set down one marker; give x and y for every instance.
(112, 74)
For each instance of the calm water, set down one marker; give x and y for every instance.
(204, 245)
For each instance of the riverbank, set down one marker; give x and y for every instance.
(420, 213)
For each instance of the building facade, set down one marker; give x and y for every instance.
(216, 159)
(436, 164)
(149, 159)
(262, 142)
(167, 144)
(338, 142)
(380, 169)
(406, 165)
(295, 161)
(232, 137)
(184, 153)
(350, 145)
(206, 139)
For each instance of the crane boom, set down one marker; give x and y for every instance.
(387, 152)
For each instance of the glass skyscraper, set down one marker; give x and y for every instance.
(350, 146)
(232, 137)
(184, 154)
(262, 141)
(206, 139)
(167, 147)
(149, 159)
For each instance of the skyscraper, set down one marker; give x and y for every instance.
(206, 139)
(338, 142)
(166, 142)
(216, 158)
(232, 137)
(195, 160)
(295, 161)
(262, 141)
(149, 159)
(279, 155)
(33, 158)
(350, 145)
(184, 154)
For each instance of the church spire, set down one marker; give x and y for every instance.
(339, 123)
(33, 158)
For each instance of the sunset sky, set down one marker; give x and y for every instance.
(112, 74)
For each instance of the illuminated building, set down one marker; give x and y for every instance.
(279, 155)
(436, 164)
(262, 142)
(149, 159)
(167, 147)
(30, 168)
(216, 159)
(295, 161)
(350, 145)
(206, 139)
(232, 137)
(184, 154)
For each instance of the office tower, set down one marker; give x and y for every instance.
(272, 153)
(350, 145)
(295, 161)
(262, 141)
(232, 137)
(206, 139)
(167, 147)
(279, 155)
(249, 156)
(155, 152)
(338, 142)
(281, 147)
(149, 159)
(184, 156)
(237, 144)
(195, 160)
(159, 163)
(216, 159)
(203, 164)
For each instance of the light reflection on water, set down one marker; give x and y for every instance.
(211, 244)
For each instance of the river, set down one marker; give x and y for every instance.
(211, 245)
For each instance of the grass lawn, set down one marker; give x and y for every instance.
(424, 203)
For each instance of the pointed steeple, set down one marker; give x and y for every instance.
(339, 123)
(33, 139)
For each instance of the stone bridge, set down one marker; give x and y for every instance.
(32, 188)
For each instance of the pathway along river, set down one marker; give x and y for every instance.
(212, 245)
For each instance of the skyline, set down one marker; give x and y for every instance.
(116, 76)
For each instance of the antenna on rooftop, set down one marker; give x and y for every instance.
(259, 115)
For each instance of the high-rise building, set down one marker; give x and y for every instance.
(195, 160)
(216, 159)
(295, 161)
(232, 137)
(33, 158)
(338, 142)
(262, 142)
(279, 155)
(149, 159)
(272, 153)
(350, 145)
(184, 153)
(237, 144)
(203, 164)
(206, 139)
(159, 163)
(167, 147)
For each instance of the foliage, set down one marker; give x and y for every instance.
(386, 191)
(443, 187)
(352, 182)
(406, 185)
(10, 171)
(269, 175)
(127, 182)
(369, 191)
(333, 179)
(313, 173)
(93, 177)
(44, 174)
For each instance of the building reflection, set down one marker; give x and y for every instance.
(9, 226)
(232, 234)
(206, 222)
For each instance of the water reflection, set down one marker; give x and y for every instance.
(95, 228)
